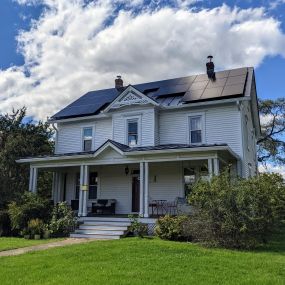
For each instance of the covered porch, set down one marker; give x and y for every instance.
(145, 182)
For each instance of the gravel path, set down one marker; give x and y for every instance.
(68, 241)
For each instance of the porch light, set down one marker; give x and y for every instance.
(127, 170)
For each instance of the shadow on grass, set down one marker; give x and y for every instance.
(275, 244)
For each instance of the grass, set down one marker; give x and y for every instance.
(146, 261)
(12, 243)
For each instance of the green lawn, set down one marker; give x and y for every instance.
(145, 261)
(12, 243)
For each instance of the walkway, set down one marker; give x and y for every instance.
(68, 241)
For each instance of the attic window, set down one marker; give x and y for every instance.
(132, 132)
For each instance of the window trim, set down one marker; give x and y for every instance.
(82, 136)
(203, 128)
(132, 118)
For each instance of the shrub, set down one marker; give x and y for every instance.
(137, 228)
(29, 207)
(35, 227)
(172, 228)
(5, 223)
(62, 220)
(237, 213)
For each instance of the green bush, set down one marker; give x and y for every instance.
(172, 228)
(5, 224)
(137, 228)
(237, 213)
(62, 220)
(29, 207)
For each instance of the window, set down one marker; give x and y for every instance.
(93, 183)
(77, 186)
(195, 123)
(87, 139)
(132, 132)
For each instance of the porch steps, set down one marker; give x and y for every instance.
(101, 228)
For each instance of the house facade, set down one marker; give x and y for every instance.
(138, 145)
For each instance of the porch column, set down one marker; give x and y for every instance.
(141, 188)
(216, 166)
(33, 179)
(146, 182)
(85, 189)
(80, 190)
(210, 167)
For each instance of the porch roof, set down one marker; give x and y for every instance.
(127, 151)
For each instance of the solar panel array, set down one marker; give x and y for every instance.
(229, 83)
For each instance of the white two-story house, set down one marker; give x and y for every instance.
(139, 144)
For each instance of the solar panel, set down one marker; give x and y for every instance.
(198, 85)
(192, 95)
(172, 89)
(231, 90)
(194, 88)
(212, 92)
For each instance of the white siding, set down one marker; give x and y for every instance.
(115, 184)
(70, 134)
(165, 181)
(146, 119)
(70, 186)
(222, 125)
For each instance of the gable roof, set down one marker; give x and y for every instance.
(171, 92)
(130, 96)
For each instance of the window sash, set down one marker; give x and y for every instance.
(93, 185)
(195, 126)
(133, 132)
(87, 138)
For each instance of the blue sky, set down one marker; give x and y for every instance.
(27, 64)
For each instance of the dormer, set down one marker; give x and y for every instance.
(134, 118)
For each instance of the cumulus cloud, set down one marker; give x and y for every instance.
(75, 47)
(273, 169)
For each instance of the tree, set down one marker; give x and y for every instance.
(271, 146)
(20, 138)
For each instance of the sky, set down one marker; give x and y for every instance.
(54, 51)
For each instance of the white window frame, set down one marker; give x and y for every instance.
(93, 135)
(203, 128)
(133, 118)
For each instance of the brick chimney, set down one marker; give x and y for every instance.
(119, 82)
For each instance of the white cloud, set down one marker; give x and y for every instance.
(273, 168)
(74, 48)
(275, 4)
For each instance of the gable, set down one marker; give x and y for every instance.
(128, 97)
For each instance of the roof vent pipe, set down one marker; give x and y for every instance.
(119, 82)
(211, 68)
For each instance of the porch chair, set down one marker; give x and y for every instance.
(104, 206)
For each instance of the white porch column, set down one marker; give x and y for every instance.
(33, 182)
(210, 167)
(53, 193)
(85, 189)
(31, 179)
(216, 166)
(80, 190)
(146, 186)
(141, 188)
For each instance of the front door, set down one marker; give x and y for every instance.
(135, 194)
